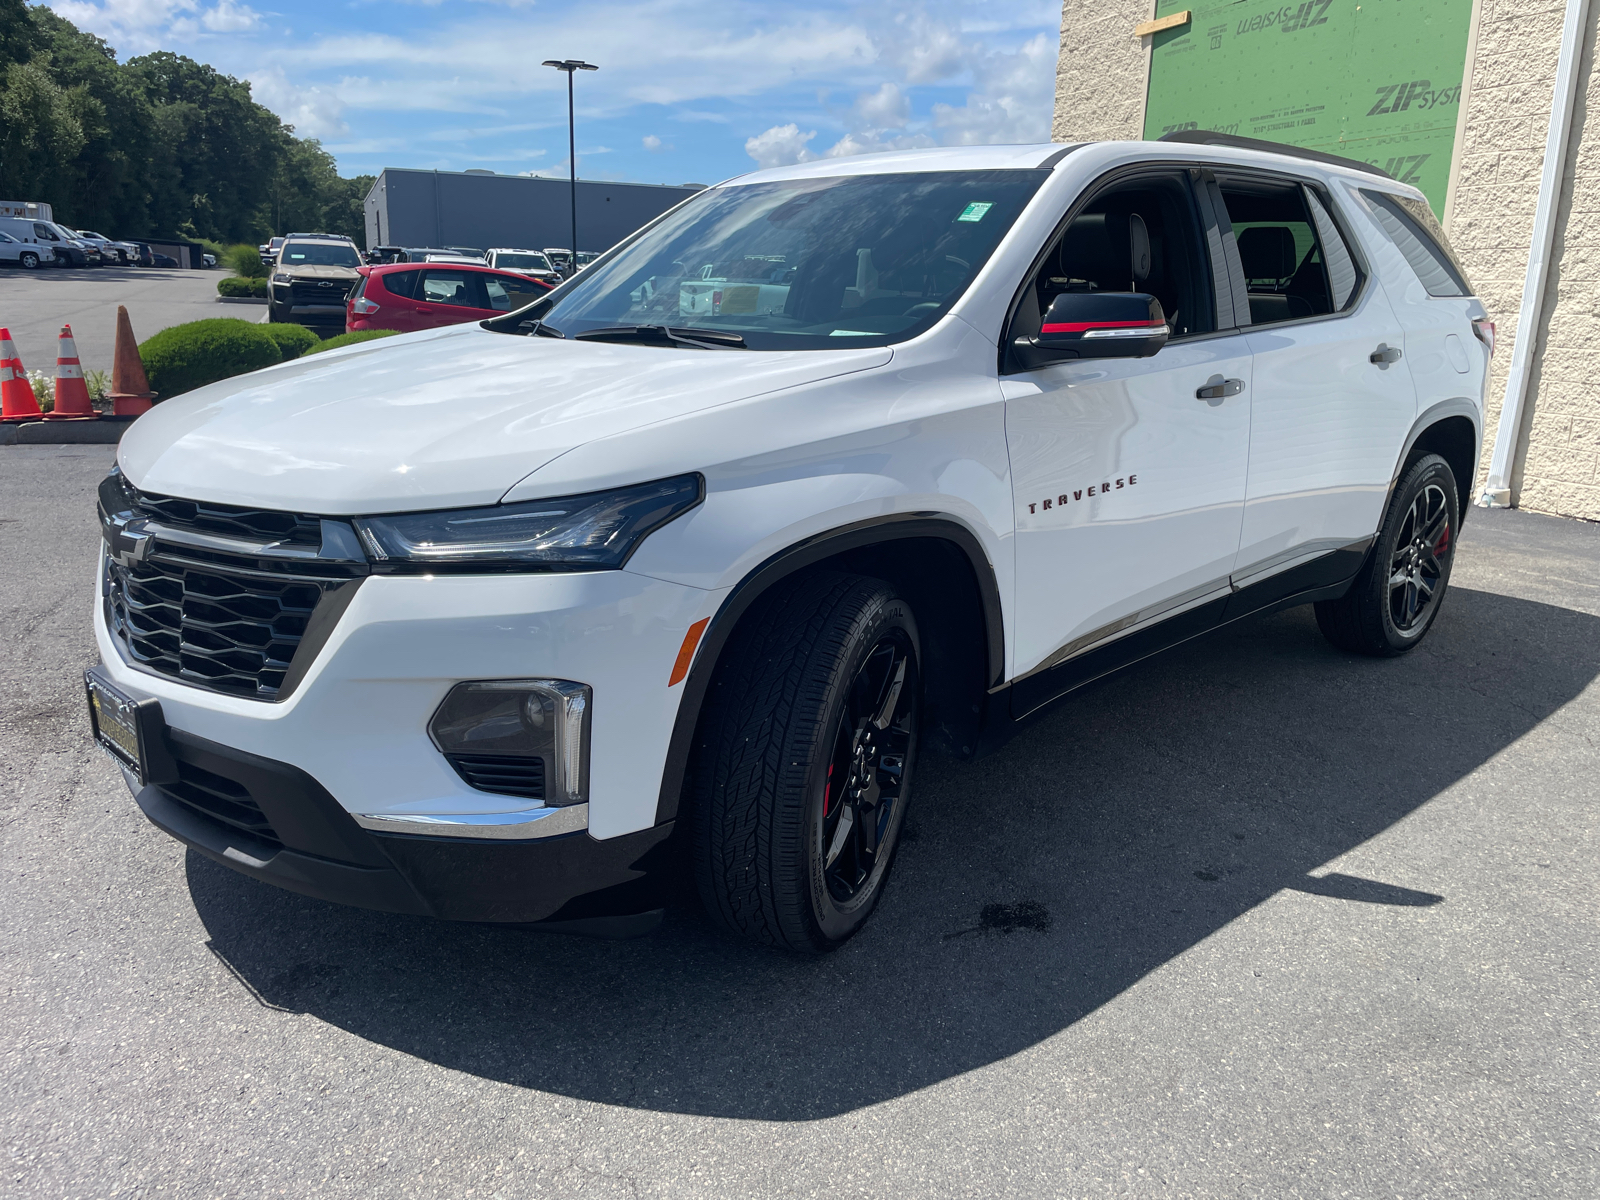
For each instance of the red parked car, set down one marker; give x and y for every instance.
(410, 296)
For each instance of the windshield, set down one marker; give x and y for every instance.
(805, 263)
(319, 254)
(532, 262)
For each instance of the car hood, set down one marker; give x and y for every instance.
(319, 271)
(443, 418)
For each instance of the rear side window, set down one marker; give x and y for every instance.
(401, 283)
(1412, 228)
(1295, 263)
(458, 288)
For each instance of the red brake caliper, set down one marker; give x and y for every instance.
(1444, 543)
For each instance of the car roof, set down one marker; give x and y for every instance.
(463, 265)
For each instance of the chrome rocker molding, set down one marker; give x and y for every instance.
(523, 825)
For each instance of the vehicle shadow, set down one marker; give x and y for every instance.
(1034, 886)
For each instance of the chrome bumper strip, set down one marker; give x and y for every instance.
(522, 825)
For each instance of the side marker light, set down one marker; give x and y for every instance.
(691, 642)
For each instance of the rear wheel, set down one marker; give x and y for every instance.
(1393, 602)
(803, 767)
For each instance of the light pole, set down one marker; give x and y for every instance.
(571, 66)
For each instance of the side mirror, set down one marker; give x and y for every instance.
(1096, 325)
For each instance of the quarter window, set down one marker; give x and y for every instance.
(401, 283)
(1422, 242)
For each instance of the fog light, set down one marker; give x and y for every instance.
(518, 737)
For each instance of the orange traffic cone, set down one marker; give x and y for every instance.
(72, 394)
(130, 390)
(17, 401)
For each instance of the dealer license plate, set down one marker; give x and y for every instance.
(122, 725)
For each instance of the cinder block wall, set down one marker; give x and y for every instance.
(1500, 159)
(1102, 72)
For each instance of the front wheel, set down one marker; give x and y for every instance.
(1393, 602)
(803, 766)
(29, 260)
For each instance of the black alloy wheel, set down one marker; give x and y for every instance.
(1421, 554)
(1395, 599)
(802, 765)
(861, 792)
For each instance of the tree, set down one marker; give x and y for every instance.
(160, 144)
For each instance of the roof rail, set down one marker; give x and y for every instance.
(1205, 137)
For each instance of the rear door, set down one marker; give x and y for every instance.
(1333, 402)
(449, 296)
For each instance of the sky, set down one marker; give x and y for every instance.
(687, 91)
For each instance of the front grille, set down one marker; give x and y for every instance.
(228, 615)
(294, 529)
(230, 631)
(312, 292)
(222, 800)
(502, 773)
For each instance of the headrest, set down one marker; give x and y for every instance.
(1267, 252)
(1110, 249)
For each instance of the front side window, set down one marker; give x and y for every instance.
(1288, 272)
(1138, 236)
(856, 260)
(44, 233)
(1412, 228)
(508, 293)
(319, 254)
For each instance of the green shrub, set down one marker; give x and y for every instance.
(185, 357)
(293, 340)
(237, 285)
(351, 339)
(244, 260)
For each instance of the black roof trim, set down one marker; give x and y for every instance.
(1059, 155)
(1204, 137)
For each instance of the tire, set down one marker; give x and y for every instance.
(1395, 599)
(275, 313)
(800, 781)
(28, 260)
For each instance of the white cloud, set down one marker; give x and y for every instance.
(313, 111)
(780, 146)
(886, 108)
(229, 17)
(650, 142)
(1011, 100)
(139, 26)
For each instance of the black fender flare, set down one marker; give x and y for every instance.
(786, 562)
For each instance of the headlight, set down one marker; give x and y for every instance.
(597, 530)
(281, 277)
(518, 737)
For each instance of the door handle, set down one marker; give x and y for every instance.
(423, 308)
(1385, 353)
(1217, 388)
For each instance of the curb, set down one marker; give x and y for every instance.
(64, 433)
(241, 299)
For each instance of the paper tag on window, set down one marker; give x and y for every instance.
(975, 210)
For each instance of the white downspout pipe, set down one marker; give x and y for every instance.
(1497, 490)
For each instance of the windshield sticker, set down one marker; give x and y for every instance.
(975, 210)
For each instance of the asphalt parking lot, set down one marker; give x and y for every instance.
(1254, 919)
(35, 304)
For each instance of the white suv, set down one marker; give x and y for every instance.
(510, 622)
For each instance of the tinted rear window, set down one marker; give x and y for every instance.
(1410, 224)
(401, 283)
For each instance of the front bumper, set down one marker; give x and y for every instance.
(312, 846)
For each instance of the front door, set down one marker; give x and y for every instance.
(1129, 484)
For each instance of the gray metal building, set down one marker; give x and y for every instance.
(480, 208)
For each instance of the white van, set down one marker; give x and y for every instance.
(30, 249)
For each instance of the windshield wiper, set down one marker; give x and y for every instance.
(702, 339)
